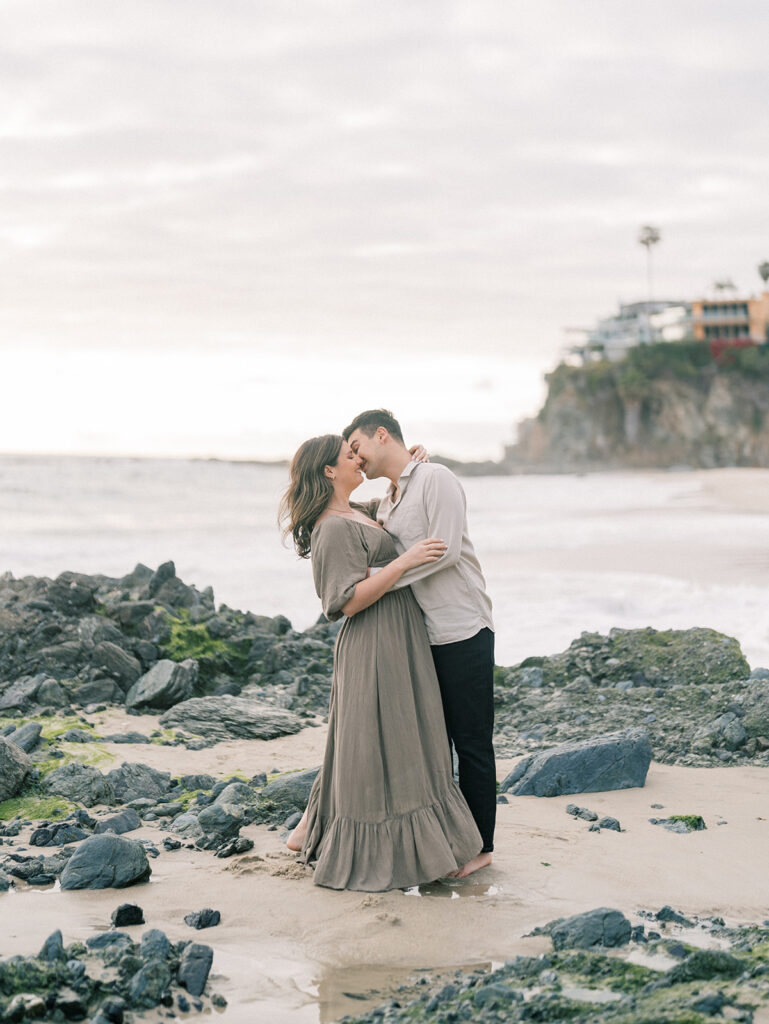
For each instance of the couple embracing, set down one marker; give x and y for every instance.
(413, 665)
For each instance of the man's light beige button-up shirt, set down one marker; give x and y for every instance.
(451, 592)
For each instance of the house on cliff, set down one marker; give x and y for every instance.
(636, 323)
(722, 322)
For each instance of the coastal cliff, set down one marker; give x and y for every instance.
(663, 405)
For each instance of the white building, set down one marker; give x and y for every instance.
(636, 323)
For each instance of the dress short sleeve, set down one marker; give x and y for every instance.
(339, 562)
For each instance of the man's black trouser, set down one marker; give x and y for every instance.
(466, 676)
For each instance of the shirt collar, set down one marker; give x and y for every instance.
(408, 469)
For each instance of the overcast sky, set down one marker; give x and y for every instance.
(413, 180)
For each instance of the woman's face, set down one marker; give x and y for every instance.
(347, 469)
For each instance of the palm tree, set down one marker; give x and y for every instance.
(649, 236)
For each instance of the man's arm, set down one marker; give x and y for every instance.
(444, 502)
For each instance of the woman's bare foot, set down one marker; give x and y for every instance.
(481, 861)
(295, 841)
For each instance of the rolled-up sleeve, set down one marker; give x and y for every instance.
(339, 563)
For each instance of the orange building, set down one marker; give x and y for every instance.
(724, 319)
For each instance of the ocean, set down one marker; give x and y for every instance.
(561, 554)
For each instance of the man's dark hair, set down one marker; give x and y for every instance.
(370, 420)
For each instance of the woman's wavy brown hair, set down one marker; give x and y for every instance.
(309, 490)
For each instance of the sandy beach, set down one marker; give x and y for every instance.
(287, 950)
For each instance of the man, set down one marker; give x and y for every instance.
(426, 500)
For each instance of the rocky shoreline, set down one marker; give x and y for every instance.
(107, 976)
(149, 644)
(665, 969)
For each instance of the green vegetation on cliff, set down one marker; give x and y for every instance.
(635, 375)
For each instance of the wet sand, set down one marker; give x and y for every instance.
(737, 490)
(287, 950)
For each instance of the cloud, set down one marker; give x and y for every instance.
(336, 175)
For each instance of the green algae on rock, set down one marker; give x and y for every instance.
(694, 822)
(36, 808)
(589, 985)
(645, 657)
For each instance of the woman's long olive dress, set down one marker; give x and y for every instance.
(385, 811)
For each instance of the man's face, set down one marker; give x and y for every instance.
(369, 452)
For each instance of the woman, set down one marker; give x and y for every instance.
(385, 811)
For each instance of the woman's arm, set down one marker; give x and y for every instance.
(368, 591)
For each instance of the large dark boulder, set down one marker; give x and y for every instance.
(136, 581)
(724, 731)
(21, 693)
(51, 694)
(149, 984)
(116, 662)
(221, 820)
(106, 862)
(167, 589)
(285, 795)
(27, 736)
(96, 629)
(53, 948)
(133, 780)
(125, 821)
(235, 793)
(226, 718)
(109, 940)
(73, 593)
(197, 781)
(166, 683)
(617, 761)
(99, 691)
(80, 782)
(154, 945)
(756, 708)
(601, 927)
(60, 659)
(194, 967)
(176, 594)
(15, 765)
(131, 613)
(187, 826)
(163, 573)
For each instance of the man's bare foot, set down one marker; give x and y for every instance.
(295, 841)
(481, 861)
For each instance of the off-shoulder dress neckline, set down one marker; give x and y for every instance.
(372, 525)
